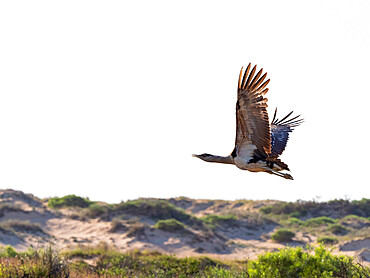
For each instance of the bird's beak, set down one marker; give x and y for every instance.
(194, 155)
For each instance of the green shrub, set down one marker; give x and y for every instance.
(69, 201)
(139, 264)
(352, 216)
(7, 252)
(287, 262)
(94, 210)
(170, 225)
(36, 263)
(361, 207)
(337, 229)
(214, 219)
(295, 214)
(267, 209)
(355, 222)
(295, 262)
(340, 208)
(297, 209)
(117, 225)
(156, 209)
(327, 240)
(137, 230)
(296, 222)
(88, 252)
(319, 221)
(282, 235)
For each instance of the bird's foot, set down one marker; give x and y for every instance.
(288, 177)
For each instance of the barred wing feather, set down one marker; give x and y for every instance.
(280, 130)
(252, 122)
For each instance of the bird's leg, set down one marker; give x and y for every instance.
(273, 172)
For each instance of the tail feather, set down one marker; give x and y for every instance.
(274, 160)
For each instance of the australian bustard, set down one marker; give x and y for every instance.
(258, 143)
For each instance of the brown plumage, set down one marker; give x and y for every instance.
(257, 144)
(252, 123)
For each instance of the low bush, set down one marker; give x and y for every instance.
(327, 240)
(158, 209)
(361, 207)
(170, 225)
(337, 229)
(34, 263)
(138, 264)
(213, 219)
(88, 252)
(7, 252)
(298, 209)
(137, 230)
(355, 222)
(155, 209)
(319, 221)
(295, 262)
(69, 201)
(287, 262)
(282, 235)
(293, 221)
(352, 217)
(339, 208)
(93, 211)
(117, 225)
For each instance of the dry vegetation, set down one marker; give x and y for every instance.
(102, 261)
(219, 229)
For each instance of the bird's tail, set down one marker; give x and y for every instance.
(274, 160)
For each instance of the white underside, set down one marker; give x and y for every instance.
(259, 166)
(253, 167)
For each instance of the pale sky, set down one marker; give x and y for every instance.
(109, 99)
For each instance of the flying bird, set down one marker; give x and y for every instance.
(258, 143)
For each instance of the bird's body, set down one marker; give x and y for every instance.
(258, 143)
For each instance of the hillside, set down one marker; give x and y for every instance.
(239, 229)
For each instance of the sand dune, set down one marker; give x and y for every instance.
(28, 221)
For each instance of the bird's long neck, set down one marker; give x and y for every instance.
(220, 159)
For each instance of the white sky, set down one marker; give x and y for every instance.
(109, 99)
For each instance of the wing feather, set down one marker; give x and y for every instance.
(253, 135)
(255, 80)
(259, 82)
(249, 78)
(245, 75)
(280, 130)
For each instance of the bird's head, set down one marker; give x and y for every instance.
(203, 156)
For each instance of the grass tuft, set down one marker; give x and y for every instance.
(21, 226)
(4, 208)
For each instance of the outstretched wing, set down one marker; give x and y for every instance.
(280, 130)
(252, 122)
